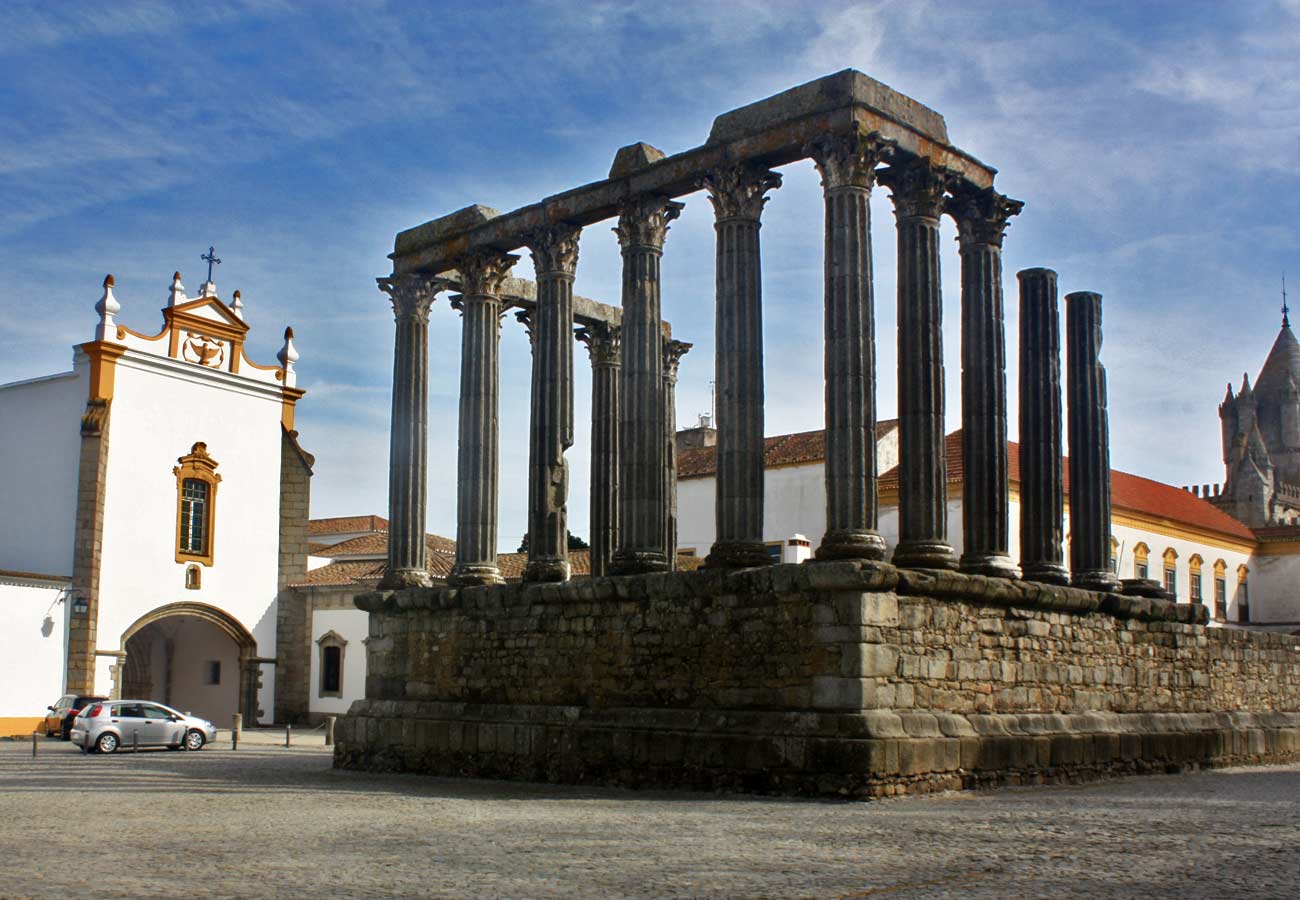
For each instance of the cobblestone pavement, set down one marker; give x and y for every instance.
(271, 822)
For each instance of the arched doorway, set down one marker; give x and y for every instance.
(192, 657)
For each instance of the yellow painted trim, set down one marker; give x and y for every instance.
(12, 726)
(1278, 548)
(123, 331)
(197, 464)
(103, 358)
(289, 397)
(249, 362)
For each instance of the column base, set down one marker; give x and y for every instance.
(548, 569)
(924, 555)
(398, 579)
(992, 565)
(1103, 580)
(469, 574)
(1045, 573)
(848, 543)
(638, 562)
(737, 555)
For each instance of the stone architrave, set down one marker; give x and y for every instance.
(1042, 496)
(642, 227)
(411, 295)
(673, 353)
(847, 164)
(981, 223)
(477, 457)
(555, 259)
(1089, 445)
(603, 346)
(738, 195)
(917, 189)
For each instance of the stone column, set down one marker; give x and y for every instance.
(555, 258)
(1089, 445)
(477, 453)
(412, 295)
(918, 195)
(606, 361)
(1042, 495)
(642, 227)
(981, 222)
(673, 353)
(737, 193)
(847, 164)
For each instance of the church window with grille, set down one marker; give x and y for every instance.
(332, 649)
(196, 497)
(194, 516)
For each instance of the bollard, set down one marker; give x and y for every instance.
(288, 730)
(237, 723)
(135, 740)
(35, 738)
(329, 730)
(234, 739)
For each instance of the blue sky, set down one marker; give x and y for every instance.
(1157, 147)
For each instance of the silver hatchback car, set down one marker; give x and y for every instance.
(106, 725)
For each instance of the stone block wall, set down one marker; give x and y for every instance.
(292, 615)
(839, 678)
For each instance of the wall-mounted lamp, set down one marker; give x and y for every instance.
(79, 605)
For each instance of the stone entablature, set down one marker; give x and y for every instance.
(847, 677)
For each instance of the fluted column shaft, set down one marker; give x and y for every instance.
(555, 258)
(918, 190)
(847, 165)
(1042, 495)
(642, 227)
(603, 345)
(408, 448)
(737, 193)
(673, 353)
(477, 457)
(981, 222)
(1089, 445)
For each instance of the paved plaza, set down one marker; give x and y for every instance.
(270, 822)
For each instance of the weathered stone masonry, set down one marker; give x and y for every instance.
(842, 678)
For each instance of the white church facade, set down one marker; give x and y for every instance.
(153, 505)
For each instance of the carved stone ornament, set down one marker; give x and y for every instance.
(525, 318)
(604, 344)
(918, 188)
(203, 350)
(411, 294)
(643, 221)
(982, 216)
(738, 192)
(554, 248)
(673, 353)
(850, 160)
(483, 273)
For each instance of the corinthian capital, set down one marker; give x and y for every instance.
(982, 216)
(917, 187)
(483, 272)
(737, 192)
(643, 221)
(554, 248)
(604, 344)
(850, 160)
(673, 353)
(411, 294)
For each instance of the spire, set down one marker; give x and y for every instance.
(177, 296)
(1286, 320)
(1245, 385)
(287, 356)
(107, 307)
(1228, 398)
(237, 306)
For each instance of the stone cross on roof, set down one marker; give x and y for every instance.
(211, 259)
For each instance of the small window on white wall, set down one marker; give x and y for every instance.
(332, 648)
(212, 672)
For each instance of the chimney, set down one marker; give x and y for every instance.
(702, 435)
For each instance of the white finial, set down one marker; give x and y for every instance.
(107, 307)
(178, 291)
(237, 306)
(287, 356)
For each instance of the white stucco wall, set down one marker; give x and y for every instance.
(40, 446)
(353, 626)
(160, 409)
(1275, 590)
(33, 640)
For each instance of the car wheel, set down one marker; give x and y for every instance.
(107, 742)
(194, 740)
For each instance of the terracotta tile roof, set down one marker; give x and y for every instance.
(1127, 491)
(377, 545)
(317, 549)
(800, 448)
(347, 524)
